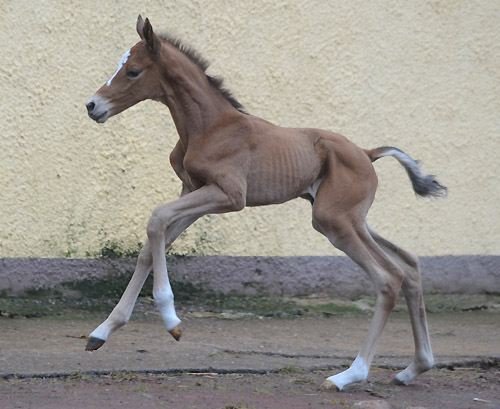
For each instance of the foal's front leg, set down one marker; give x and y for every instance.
(162, 291)
(123, 310)
(183, 211)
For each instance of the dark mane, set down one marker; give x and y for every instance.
(203, 64)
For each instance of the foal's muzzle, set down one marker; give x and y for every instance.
(90, 107)
(98, 109)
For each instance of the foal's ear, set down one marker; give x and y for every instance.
(140, 27)
(152, 41)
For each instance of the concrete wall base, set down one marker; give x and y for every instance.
(257, 275)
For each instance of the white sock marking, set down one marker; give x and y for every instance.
(165, 302)
(357, 372)
(101, 332)
(122, 63)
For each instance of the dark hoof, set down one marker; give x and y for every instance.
(329, 386)
(94, 343)
(176, 332)
(396, 381)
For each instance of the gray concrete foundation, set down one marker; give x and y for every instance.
(257, 275)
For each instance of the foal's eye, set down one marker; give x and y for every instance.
(133, 73)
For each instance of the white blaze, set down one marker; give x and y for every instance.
(122, 63)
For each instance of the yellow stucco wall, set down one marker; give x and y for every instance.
(421, 75)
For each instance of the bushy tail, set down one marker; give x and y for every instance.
(423, 185)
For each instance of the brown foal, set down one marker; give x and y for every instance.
(228, 159)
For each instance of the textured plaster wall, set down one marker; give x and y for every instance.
(420, 75)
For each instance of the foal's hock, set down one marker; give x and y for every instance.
(228, 159)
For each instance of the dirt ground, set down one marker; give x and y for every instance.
(229, 360)
(462, 388)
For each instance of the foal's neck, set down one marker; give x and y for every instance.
(195, 105)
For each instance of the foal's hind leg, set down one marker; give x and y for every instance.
(412, 289)
(339, 212)
(387, 276)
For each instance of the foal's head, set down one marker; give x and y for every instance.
(137, 77)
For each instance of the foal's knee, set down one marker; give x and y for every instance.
(145, 257)
(412, 284)
(158, 223)
(413, 261)
(389, 294)
(388, 289)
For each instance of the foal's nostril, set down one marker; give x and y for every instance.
(90, 107)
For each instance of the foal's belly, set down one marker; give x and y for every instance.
(281, 171)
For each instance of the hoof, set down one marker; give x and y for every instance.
(94, 343)
(329, 386)
(399, 382)
(176, 332)
(396, 381)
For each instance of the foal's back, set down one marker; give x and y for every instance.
(283, 163)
